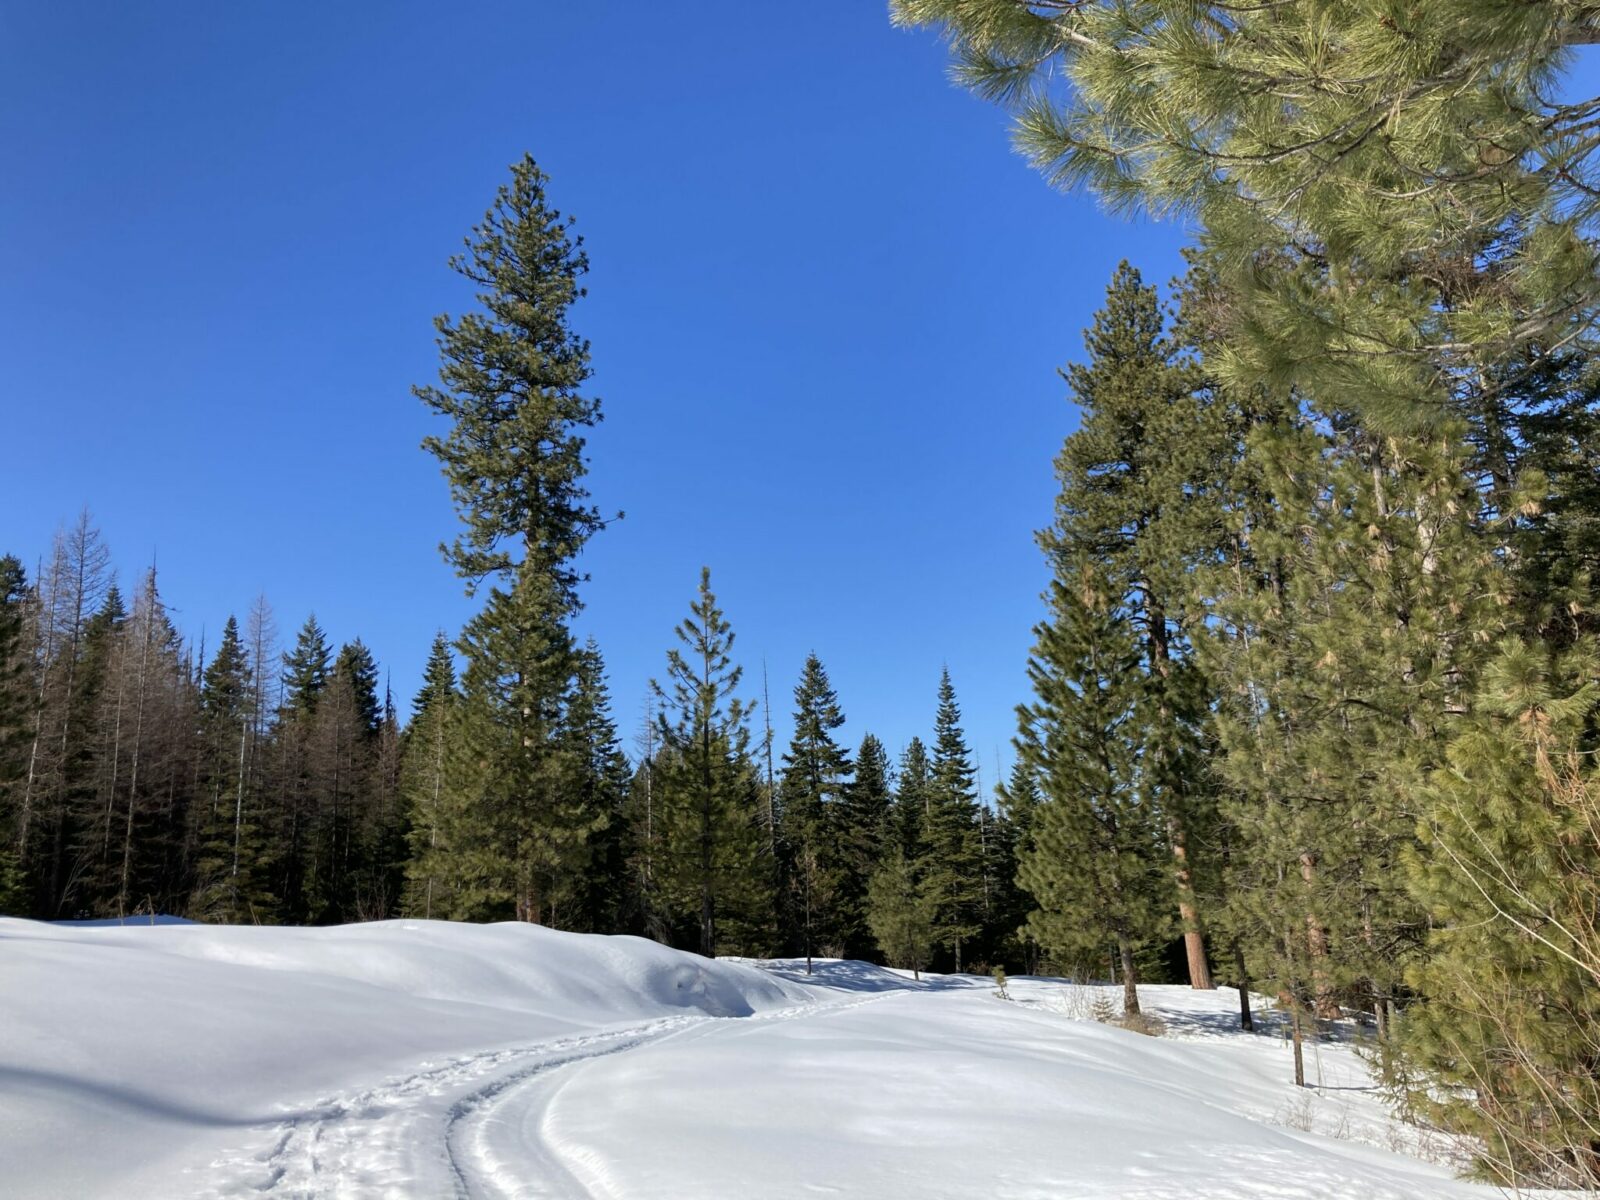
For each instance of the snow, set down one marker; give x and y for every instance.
(416, 1058)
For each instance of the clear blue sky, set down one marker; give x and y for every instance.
(826, 307)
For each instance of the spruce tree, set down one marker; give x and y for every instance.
(708, 798)
(512, 381)
(952, 865)
(306, 669)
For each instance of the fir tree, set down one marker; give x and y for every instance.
(909, 815)
(426, 764)
(865, 840)
(601, 785)
(512, 387)
(707, 786)
(230, 886)
(1091, 866)
(306, 669)
(952, 865)
(811, 792)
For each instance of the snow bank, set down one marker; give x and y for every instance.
(419, 1059)
(124, 1049)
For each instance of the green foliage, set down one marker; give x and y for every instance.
(952, 864)
(902, 914)
(427, 759)
(1095, 862)
(707, 786)
(1394, 189)
(811, 794)
(512, 377)
(1509, 868)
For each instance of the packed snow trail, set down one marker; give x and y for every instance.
(443, 1129)
(398, 1138)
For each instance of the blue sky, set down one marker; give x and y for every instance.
(826, 307)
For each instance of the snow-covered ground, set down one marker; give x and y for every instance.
(414, 1058)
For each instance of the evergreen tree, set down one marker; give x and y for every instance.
(811, 791)
(306, 669)
(602, 784)
(426, 765)
(901, 915)
(707, 786)
(230, 885)
(1012, 841)
(1092, 867)
(865, 840)
(512, 380)
(909, 815)
(1136, 484)
(15, 602)
(1510, 871)
(1400, 196)
(952, 867)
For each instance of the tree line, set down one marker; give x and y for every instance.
(248, 783)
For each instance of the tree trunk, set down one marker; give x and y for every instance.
(1299, 1051)
(1246, 1020)
(1130, 977)
(1327, 1004)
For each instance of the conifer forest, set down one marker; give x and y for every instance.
(1312, 711)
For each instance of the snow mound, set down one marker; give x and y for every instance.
(133, 1041)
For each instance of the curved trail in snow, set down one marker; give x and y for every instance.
(505, 1147)
(472, 1127)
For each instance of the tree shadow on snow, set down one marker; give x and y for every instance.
(128, 1101)
(853, 975)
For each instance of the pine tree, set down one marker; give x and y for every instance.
(512, 379)
(1094, 868)
(952, 866)
(1510, 871)
(811, 791)
(708, 798)
(1399, 195)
